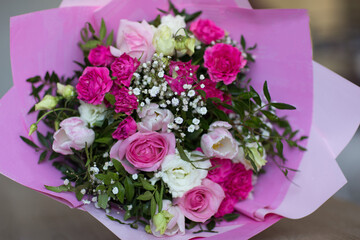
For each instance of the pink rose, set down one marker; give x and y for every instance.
(226, 206)
(239, 182)
(219, 142)
(100, 56)
(93, 84)
(220, 173)
(135, 39)
(181, 73)
(201, 202)
(143, 151)
(73, 133)
(206, 31)
(125, 129)
(223, 62)
(123, 69)
(154, 118)
(124, 102)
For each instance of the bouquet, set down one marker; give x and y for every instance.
(176, 122)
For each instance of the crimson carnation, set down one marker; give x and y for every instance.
(123, 69)
(93, 84)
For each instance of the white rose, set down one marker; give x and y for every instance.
(174, 23)
(92, 114)
(154, 118)
(259, 159)
(163, 41)
(181, 176)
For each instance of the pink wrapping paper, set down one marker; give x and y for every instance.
(280, 34)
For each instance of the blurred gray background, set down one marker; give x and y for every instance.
(26, 214)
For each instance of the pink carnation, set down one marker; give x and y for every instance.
(125, 129)
(100, 56)
(123, 69)
(239, 182)
(206, 31)
(226, 206)
(93, 84)
(201, 202)
(124, 102)
(223, 62)
(181, 73)
(223, 170)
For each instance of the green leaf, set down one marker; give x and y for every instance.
(29, 142)
(161, 197)
(78, 193)
(61, 188)
(129, 189)
(182, 152)
(279, 147)
(269, 115)
(211, 225)
(192, 17)
(104, 140)
(114, 219)
(152, 207)
(127, 215)
(266, 92)
(119, 167)
(145, 196)
(147, 185)
(34, 79)
(231, 217)
(283, 106)
(257, 97)
(110, 98)
(243, 42)
(102, 30)
(103, 200)
(42, 156)
(91, 44)
(110, 39)
(42, 139)
(162, 11)
(248, 95)
(121, 194)
(54, 155)
(91, 29)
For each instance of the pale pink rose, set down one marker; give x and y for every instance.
(73, 133)
(206, 31)
(100, 56)
(176, 224)
(201, 202)
(219, 142)
(123, 69)
(154, 118)
(93, 84)
(226, 206)
(135, 39)
(143, 151)
(125, 129)
(223, 62)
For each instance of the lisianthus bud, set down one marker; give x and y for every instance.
(161, 220)
(185, 45)
(163, 41)
(67, 91)
(33, 128)
(259, 156)
(47, 103)
(148, 229)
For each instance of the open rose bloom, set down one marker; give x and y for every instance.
(284, 59)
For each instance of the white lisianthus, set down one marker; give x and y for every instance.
(259, 158)
(174, 23)
(181, 176)
(163, 41)
(92, 114)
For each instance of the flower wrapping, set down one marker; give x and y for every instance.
(284, 60)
